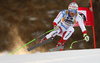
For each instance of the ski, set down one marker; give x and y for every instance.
(55, 48)
(40, 44)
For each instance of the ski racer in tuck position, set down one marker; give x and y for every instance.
(63, 25)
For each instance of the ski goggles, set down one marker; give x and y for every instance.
(73, 11)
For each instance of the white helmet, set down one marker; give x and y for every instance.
(73, 7)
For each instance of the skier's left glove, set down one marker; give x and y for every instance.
(86, 37)
(56, 27)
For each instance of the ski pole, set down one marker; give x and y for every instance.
(31, 41)
(75, 42)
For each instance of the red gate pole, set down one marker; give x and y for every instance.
(93, 25)
(94, 37)
(73, 0)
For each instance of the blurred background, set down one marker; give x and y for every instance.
(23, 20)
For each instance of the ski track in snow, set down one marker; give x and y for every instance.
(68, 56)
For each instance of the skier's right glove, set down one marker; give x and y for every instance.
(86, 37)
(56, 27)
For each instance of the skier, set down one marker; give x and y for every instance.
(63, 25)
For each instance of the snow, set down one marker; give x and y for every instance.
(51, 12)
(4, 53)
(33, 18)
(68, 56)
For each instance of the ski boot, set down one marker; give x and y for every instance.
(61, 44)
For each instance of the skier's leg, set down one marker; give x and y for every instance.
(61, 41)
(51, 34)
(66, 35)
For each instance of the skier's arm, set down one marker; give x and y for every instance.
(57, 19)
(81, 24)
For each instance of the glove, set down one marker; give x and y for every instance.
(86, 37)
(56, 27)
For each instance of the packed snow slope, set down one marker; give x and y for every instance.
(69, 56)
